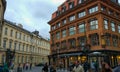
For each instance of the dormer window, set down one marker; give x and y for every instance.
(71, 5)
(63, 8)
(80, 1)
(58, 13)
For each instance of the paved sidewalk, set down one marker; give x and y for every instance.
(39, 69)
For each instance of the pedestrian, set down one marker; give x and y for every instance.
(78, 67)
(19, 69)
(117, 69)
(86, 66)
(23, 66)
(92, 66)
(5, 68)
(26, 66)
(96, 65)
(106, 67)
(30, 66)
(45, 68)
(52, 68)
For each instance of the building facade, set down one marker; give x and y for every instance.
(2, 11)
(85, 30)
(29, 47)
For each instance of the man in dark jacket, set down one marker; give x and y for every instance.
(45, 68)
(117, 69)
(86, 66)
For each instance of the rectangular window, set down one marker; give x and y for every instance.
(81, 14)
(10, 44)
(16, 34)
(113, 26)
(115, 41)
(11, 33)
(94, 40)
(64, 22)
(24, 38)
(64, 33)
(72, 43)
(107, 39)
(93, 24)
(93, 9)
(53, 27)
(19, 47)
(82, 41)
(6, 31)
(81, 28)
(63, 44)
(119, 28)
(103, 8)
(58, 35)
(58, 25)
(110, 12)
(71, 18)
(72, 30)
(4, 44)
(117, 15)
(20, 36)
(23, 47)
(105, 23)
(15, 45)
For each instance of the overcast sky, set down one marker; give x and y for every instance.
(32, 14)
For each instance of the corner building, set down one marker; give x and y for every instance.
(85, 30)
(29, 47)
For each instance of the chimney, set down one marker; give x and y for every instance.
(20, 25)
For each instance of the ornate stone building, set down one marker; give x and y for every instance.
(29, 47)
(85, 30)
(2, 11)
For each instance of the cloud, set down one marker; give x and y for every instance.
(32, 14)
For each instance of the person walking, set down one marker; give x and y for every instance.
(92, 66)
(78, 67)
(19, 69)
(5, 68)
(117, 69)
(30, 66)
(45, 68)
(52, 68)
(96, 65)
(86, 66)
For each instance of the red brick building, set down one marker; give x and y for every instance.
(85, 29)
